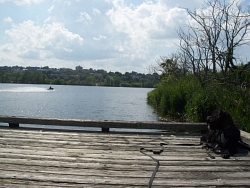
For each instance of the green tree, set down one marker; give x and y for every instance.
(90, 80)
(116, 81)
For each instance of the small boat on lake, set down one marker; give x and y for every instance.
(51, 88)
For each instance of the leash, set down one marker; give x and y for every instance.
(158, 152)
(143, 150)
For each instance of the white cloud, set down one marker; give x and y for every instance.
(84, 17)
(96, 11)
(35, 42)
(119, 35)
(100, 37)
(6, 48)
(68, 3)
(51, 9)
(146, 26)
(23, 2)
(146, 19)
(8, 19)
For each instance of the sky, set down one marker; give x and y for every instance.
(114, 35)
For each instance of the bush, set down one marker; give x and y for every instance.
(171, 98)
(185, 99)
(199, 105)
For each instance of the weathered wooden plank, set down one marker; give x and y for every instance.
(111, 181)
(63, 159)
(125, 181)
(173, 176)
(79, 134)
(106, 167)
(105, 151)
(149, 139)
(245, 137)
(77, 161)
(202, 183)
(95, 149)
(8, 168)
(104, 124)
(177, 176)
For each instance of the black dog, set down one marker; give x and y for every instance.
(222, 134)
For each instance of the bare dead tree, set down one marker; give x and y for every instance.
(211, 39)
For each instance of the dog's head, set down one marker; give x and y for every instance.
(219, 120)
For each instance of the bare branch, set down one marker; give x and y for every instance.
(210, 43)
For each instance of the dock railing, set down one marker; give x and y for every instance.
(105, 125)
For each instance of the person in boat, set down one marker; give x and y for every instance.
(50, 88)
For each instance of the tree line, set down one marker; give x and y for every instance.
(87, 77)
(205, 74)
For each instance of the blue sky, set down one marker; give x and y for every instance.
(114, 35)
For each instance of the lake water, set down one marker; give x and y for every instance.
(77, 102)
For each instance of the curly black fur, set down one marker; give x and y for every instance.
(222, 132)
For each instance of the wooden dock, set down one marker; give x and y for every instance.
(43, 158)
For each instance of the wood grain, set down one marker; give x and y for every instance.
(33, 158)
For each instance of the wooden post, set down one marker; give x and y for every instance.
(105, 129)
(14, 125)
